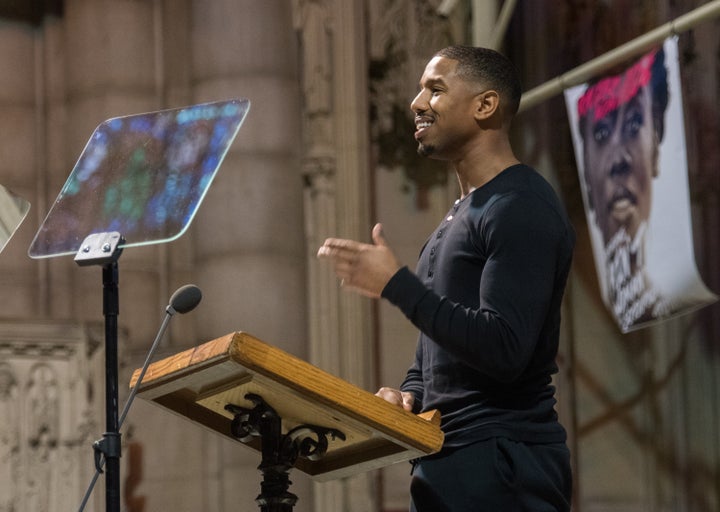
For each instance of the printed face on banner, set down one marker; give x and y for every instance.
(635, 191)
(620, 142)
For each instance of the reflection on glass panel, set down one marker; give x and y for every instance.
(13, 210)
(142, 176)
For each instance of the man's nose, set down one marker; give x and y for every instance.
(419, 103)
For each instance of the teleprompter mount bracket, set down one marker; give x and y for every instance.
(99, 249)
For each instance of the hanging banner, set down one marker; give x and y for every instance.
(629, 141)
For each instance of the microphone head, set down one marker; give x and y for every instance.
(185, 298)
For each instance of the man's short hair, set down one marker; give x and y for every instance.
(489, 68)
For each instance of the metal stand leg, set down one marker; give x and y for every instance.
(112, 435)
(104, 249)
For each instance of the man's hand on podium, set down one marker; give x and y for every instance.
(402, 399)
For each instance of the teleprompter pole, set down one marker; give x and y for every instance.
(104, 249)
(111, 437)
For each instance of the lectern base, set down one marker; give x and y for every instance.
(219, 385)
(279, 451)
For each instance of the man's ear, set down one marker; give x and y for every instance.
(487, 103)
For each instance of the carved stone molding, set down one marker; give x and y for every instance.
(319, 172)
(51, 410)
(314, 25)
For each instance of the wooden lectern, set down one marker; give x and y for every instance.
(293, 413)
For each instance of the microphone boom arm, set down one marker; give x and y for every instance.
(184, 300)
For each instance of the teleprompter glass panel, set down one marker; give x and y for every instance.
(143, 176)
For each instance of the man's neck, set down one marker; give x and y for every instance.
(481, 158)
(473, 173)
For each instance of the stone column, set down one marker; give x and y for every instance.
(335, 164)
(51, 379)
(109, 71)
(248, 235)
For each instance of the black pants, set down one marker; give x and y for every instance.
(496, 475)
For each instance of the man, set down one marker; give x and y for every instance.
(486, 298)
(622, 121)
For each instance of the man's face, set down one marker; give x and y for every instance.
(621, 151)
(444, 111)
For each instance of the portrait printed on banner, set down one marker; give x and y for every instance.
(629, 142)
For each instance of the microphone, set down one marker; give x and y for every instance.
(184, 300)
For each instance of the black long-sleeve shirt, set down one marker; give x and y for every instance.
(486, 297)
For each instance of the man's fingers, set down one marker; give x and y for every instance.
(394, 396)
(338, 249)
(341, 244)
(378, 235)
(341, 258)
(408, 400)
(361, 267)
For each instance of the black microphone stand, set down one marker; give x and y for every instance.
(104, 249)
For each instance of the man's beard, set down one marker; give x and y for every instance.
(425, 150)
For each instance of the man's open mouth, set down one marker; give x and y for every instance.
(422, 123)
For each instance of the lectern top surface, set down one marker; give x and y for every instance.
(201, 382)
(143, 176)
